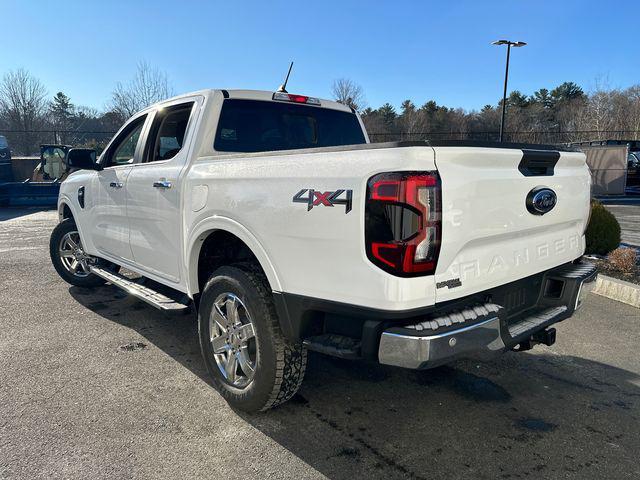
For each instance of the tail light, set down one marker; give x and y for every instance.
(403, 222)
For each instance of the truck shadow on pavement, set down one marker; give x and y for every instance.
(10, 213)
(527, 415)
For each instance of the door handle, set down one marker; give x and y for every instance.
(116, 185)
(162, 184)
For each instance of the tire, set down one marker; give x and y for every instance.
(278, 365)
(81, 278)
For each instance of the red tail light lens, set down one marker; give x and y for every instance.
(403, 224)
(292, 97)
(298, 98)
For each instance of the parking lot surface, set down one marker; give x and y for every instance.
(628, 215)
(94, 384)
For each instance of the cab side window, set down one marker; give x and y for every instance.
(168, 132)
(123, 149)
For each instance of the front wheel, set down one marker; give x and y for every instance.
(253, 366)
(68, 256)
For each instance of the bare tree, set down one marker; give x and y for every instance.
(599, 114)
(148, 86)
(412, 121)
(633, 112)
(23, 105)
(348, 93)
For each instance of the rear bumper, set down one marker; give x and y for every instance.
(486, 329)
(432, 350)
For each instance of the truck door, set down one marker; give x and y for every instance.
(108, 223)
(154, 192)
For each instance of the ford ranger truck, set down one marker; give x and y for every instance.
(287, 231)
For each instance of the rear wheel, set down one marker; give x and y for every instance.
(253, 366)
(69, 258)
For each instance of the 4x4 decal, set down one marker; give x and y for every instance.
(315, 198)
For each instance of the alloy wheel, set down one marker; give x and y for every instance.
(233, 340)
(72, 255)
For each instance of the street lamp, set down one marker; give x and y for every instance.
(509, 44)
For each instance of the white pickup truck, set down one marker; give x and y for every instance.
(273, 215)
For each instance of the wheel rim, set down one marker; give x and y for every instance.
(72, 255)
(233, 340)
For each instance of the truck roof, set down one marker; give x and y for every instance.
(263, 95)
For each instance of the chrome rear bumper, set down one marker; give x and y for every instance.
(436, 341)
(432, 350)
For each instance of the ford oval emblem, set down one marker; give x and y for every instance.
(541, 200)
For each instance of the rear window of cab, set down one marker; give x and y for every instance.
(262, 126)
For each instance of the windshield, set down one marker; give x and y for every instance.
(3, 142)
(259, 126)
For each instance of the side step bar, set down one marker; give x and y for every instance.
(146, 294)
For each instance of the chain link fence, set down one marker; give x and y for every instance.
(27, 142)
(540, 137)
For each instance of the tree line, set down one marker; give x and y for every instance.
(29, 116)
(562, 114)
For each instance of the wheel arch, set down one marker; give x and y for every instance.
(225, 229)
(65, 210)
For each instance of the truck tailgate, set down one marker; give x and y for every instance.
(489, 236)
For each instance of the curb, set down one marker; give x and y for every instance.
(618, 290)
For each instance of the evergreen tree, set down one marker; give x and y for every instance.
(62, 112)
(542, 97)
(388, 113)
(517, 99)
(407, 107)
(566, 91)
(61, 107)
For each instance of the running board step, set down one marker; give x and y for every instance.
(534, 322)
(146, 294)
(334, 345)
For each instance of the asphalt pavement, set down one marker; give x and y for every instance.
(628, 216)
(94, 384)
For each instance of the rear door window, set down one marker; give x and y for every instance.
(258, 126)
(168, 132)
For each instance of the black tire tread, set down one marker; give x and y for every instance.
(62, 228)
(291, 359)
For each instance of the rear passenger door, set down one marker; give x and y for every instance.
(154, 191)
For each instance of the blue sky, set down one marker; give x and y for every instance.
(395, 50)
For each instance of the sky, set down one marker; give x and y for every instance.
(396, 50)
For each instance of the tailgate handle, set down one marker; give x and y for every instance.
(538, 163)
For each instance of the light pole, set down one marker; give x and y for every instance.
(509, 44)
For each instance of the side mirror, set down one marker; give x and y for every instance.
(82, 159)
